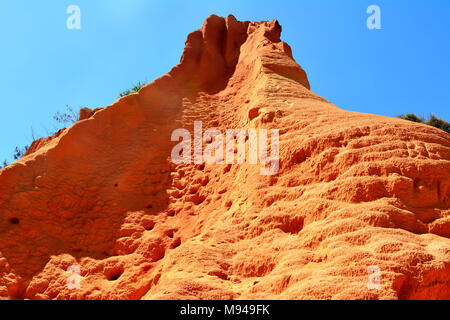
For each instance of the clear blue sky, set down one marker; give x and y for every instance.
(43, 66)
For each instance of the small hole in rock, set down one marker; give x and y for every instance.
(149, 206)
(116, 185)
(14, 220)
(253, 113)
(170, 233)
(114, 274)
(171, 213)
(176, 243)
(149, 225)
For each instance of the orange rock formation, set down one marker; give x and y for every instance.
(353, 191)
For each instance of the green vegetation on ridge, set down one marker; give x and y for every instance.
(431, 121)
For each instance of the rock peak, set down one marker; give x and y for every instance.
(212, 53)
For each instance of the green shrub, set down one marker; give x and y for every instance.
(134, 89)
(432, 121)
(67, 117)
(438, 123)
(411, 117)
(19, 152)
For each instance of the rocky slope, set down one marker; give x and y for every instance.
(353, 192)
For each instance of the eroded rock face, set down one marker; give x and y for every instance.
(353, 191)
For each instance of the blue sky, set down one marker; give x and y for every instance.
(404, 67)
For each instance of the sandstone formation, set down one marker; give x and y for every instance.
(353, 192)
